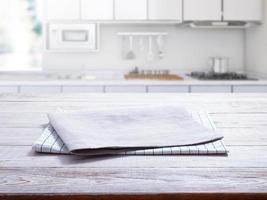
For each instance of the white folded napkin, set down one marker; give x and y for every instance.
(111, 131)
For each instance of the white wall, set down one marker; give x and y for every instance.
(186, 49)
(256, 48)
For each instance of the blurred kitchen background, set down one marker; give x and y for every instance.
(183, 44)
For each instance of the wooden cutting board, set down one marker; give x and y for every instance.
(167, 77)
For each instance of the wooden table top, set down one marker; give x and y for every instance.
(241, 118)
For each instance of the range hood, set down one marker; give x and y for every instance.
(219, 24)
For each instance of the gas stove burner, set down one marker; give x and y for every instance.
(221, 76)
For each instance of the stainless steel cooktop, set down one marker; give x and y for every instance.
(220, 76)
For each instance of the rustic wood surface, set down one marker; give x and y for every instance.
(241, 118)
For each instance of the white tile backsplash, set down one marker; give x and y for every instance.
(186, 49)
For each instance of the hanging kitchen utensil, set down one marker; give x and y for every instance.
(141, 44)
(160, 44)
(130, 55)
(150, 55)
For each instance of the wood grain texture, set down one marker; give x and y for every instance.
(127, 180)
(176, 196)
(24, 136)
(241, 118)
(232, 136)
(240, 156)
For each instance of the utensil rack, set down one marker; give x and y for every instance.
(142, 34)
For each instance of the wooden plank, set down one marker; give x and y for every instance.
(212, 107)
(232, 136)
(244, 128)
(240, 156)
(255, 136)
(19, 136)
(224, 98)
(33, 115)
(23, 120)
(131, 181)
(174, 196)
(240, 120)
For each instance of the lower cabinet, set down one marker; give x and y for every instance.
(54, 89)
(168, 89)
(211, 89)
(250, 89)
(9, 89)
(82, 89)
(40, 89)
(125, 89)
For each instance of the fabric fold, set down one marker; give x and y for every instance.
(102, 132)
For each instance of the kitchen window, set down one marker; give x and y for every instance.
(20, 34)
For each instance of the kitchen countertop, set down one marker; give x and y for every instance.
(241, 118)
(37, 79)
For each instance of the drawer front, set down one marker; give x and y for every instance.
(40, 89)
(8, 89)
(125, 89)
(211, 89)
(168, 89)
(82, 89)
(250, 89)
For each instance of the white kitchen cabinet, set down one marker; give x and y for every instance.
(97, 9)
(243, 10)
(168, 89)
(61, 9)
(211, 89)
(9, 89)
(250, 89)
(203, 10)
(82, 89)
(40, 89)
(165, 9)
(125, 89)
(130, 9)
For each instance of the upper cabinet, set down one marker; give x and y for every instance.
(97, 9)
(114, 10)
(243, 10)
(165, 10)
(130, 9)
(154, 10)
(61, 9)
(203, 10)
(223, 10)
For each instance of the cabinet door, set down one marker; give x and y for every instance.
(61, 9)
(168, 89)
(243, 10)
(131, 9)
(40, 89)
(197, 10)
(125, 89)
(97, 9)
(9, 89)
(165, 9)
(82, 89)
(210, 89)
(250, 89)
